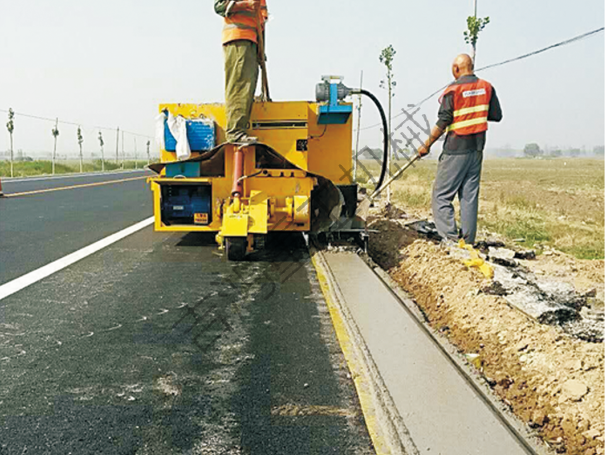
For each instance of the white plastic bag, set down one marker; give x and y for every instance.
(178, 128)
(160, 125)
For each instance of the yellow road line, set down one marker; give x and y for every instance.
(359, 376)
(72, 187)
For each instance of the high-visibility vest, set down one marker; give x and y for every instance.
(242, 25)
(471, 106)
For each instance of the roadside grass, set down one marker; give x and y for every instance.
(557, 203)
(36, 168)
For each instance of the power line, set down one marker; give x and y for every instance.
(521, 57)
(562, 43)
(64, 122)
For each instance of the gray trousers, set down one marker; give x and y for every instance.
(457, 175)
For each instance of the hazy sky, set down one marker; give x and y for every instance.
(112, 62)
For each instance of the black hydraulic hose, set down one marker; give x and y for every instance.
(385, 131)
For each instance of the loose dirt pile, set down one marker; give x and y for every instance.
(551, 380)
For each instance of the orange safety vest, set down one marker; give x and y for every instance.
(242, 25)
(471, 105)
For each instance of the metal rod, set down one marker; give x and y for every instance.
(394, 177)
(475, 44)
(261, 56)
(117, 145)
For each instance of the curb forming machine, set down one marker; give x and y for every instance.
(297, 178)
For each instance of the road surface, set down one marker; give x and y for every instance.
(158, 345)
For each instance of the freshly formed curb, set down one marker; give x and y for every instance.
(386, 427)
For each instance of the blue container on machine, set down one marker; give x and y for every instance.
(187, 204)
(200, 133)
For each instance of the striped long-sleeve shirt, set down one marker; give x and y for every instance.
(220, 6)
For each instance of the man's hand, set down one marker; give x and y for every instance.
(423, 150)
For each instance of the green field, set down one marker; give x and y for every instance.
(556, 202)
(31, 168)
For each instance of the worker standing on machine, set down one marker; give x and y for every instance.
(240, 46)
(466, 107)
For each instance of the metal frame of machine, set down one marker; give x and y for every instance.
(247, 191)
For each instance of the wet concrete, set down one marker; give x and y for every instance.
(156, 345)
(441, 411)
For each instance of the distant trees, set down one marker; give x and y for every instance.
(10, 126)
(102, 143)
(575, 152)
(55, 132)
(80, 141)
(532, 150)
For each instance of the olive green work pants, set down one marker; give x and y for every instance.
(241, 78)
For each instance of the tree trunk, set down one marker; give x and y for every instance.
(12, 160)
(54, 155)
(390, 154)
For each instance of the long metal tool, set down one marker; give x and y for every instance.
(262, 58)
(364, 206)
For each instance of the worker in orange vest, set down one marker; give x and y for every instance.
(240, 41)
(466, 107)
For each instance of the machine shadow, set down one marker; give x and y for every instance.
(195, 239)
(281, 247)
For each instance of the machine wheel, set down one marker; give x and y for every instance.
(236, 248)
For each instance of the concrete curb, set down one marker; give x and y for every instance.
(387, 429)
(533, 443)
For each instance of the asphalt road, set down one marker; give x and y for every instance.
(158, 345)
(38, 229)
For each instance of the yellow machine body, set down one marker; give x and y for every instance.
(273, 199)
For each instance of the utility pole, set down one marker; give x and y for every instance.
(123, 153)
(358, 129)
(55, 132)
(148, 153)
(475, 45)
(117, 145)
(136, 165)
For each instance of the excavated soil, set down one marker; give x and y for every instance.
(551, 381)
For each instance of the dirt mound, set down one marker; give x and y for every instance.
(386, 245)
(550, 380)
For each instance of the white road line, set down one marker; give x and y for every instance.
(28, 279)
(68, 176)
